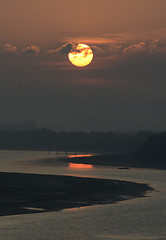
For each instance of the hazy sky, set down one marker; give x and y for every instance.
(123, 89)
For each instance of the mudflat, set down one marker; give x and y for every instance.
(32, 193)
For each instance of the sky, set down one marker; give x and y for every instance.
(123, 89)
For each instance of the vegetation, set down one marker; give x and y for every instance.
(154, 148)
(75, 141)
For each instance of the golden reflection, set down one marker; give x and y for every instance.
(80, 155)
(80, 166)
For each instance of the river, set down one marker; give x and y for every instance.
(137, 219)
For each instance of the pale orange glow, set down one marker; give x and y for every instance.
(80, 155)
(80, 166)
(81, 56)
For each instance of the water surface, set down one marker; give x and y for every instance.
(138, 219)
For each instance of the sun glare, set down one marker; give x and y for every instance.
(81, 56)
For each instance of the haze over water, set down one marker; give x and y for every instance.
(138, 219)
(121, 91)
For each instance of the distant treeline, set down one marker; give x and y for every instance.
(154, 148)
(72, 141)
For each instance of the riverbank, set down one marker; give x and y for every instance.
(33, 193)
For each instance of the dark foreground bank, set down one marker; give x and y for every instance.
(32, 193)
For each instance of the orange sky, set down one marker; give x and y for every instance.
(122, 89)
(43, 21)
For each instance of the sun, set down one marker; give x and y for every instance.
(81, 55)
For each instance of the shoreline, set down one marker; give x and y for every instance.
(23, 193)
(117, 160)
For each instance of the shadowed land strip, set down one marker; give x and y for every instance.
(31, 193)
(117, 160)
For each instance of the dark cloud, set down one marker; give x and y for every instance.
(96, 49)
(146, 48)
(135, 48)
(64, 49)
(115, 48)
(31, 50)
(8, 48)
(70, 47)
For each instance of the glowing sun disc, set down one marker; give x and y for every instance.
(81, 55)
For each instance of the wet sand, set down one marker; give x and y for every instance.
(32, 193)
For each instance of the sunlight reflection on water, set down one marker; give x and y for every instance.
(139, 219)
(80, 155)
(79, 166)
